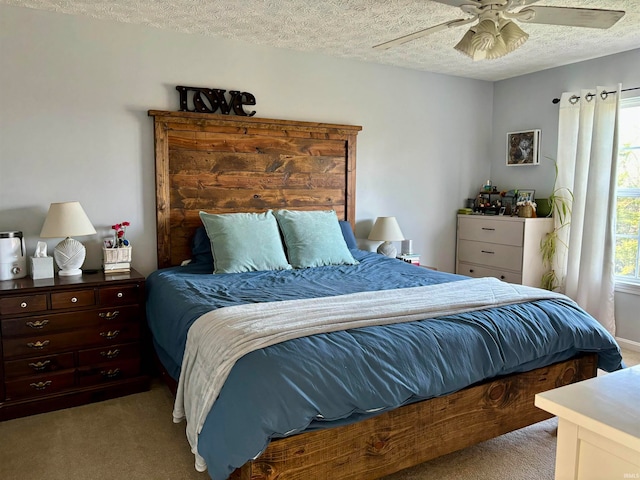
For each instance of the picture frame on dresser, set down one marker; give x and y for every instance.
(525, 196)
(523, 148)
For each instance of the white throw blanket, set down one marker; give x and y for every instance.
(219, 338)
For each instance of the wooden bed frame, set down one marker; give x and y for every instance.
(223, 164)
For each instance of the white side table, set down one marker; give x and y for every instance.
(598, 426)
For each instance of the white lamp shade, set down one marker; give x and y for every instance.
(386, 229)
(66, 219)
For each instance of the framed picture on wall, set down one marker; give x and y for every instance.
(523, 148)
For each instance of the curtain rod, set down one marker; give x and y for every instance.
(576, 98)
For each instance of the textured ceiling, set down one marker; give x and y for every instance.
(350, 28)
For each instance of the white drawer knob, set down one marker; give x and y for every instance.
(119, 294)
(23, 304)
(74, 300)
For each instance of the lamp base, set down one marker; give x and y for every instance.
(387, 249)
(69, 255)
(69, 273)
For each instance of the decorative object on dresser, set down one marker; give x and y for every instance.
(523, 148)
(116, 252)
(412, 258)
(490, 201)
(67, 219)
(507, 248)
(525, 204)
(69, 341)
(386, 230)
(524, 196)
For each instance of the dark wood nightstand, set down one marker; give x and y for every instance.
(67, 341)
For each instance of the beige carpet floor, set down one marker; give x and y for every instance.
(133, 437)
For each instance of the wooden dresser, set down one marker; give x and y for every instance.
(504, 247)
(66, 341)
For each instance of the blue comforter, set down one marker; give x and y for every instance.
(342, 377)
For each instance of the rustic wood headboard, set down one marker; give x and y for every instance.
(225, 164)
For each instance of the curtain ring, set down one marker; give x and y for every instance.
(573, 99)
(589, 96)
(604, 94)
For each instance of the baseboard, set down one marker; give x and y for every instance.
(628, 344)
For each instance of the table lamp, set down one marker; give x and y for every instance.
(387, 230)
(67, 219)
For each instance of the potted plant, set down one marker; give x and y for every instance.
(560, 202)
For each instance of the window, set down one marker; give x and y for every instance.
(627, 254)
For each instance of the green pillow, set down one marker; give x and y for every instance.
(313, 238)
(244, 242)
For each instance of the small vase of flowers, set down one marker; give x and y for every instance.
(117, 252)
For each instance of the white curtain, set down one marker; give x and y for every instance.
(587, 153)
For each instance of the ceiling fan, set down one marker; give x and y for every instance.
(496, 33)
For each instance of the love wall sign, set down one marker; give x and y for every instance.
(211, 100)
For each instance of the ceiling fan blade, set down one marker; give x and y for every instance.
(421, 33)
(521, 3)
(478, 3)
(574, 17)
(459, 3)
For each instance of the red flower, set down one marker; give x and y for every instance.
(121, 230)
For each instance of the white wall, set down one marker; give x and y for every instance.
(74, 95)
(525, 103)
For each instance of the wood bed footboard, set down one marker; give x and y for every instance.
(416, 433)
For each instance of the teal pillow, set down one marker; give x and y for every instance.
(244, 242)
(313, 238)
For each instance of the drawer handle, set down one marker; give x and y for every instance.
(487, 228)
(487, 251)
(471, 270)
(74, 300)
(39, 366)
(40, 385)
(120, 295)
(110, 373)
(111, 353)
(23, 305)
(109, 315)
(110, 335)
(38, 345)
(502, 277)
(37, 324)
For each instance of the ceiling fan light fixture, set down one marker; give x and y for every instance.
(498, 50)
(464, 45)
(513, 36)
(485, 37)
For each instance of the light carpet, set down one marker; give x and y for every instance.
(133, 437)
